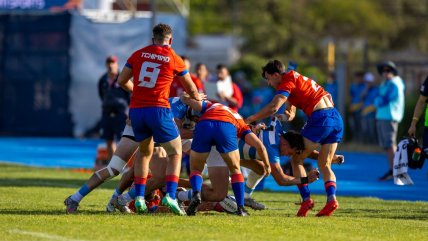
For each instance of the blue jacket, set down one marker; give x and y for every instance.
(390, 100)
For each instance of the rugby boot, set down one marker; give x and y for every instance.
(70, 205)
(329, 208)
(305, 206)
(172, 204)
(194, 203)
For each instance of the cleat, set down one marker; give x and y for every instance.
(153, 200)
(387, 176)
(140, 205)
(70, 205)
(305, 207)
(110, 207)
(250, 202)
(242, 212)
(121, 204)
(172, 204)
(194, 203)
(328, 209)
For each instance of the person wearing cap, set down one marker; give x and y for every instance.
(115, 103)
(368, 113)
(419, 109)
(389, 105)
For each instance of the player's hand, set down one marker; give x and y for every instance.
(256, 128)
(289, 115)
(412, 131)
(313, 175)
(267, 170)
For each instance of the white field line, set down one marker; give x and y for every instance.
(42, 235)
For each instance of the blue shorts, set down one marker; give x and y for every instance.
(325, 126)
(222, 135)
(153, 121)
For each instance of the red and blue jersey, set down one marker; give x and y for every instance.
(153, 69)
(301, 91)
(219, 112)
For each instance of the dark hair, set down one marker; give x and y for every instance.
(198, 65)
(295, 139)
(273, 66)
(184, 57)
(221, 66)
(162, 31)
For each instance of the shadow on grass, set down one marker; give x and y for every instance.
(49, 212)
(50, 182)
(421, 215)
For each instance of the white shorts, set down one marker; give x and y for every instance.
(128, 132)
(214, 159)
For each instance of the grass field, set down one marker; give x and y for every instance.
(31, 208)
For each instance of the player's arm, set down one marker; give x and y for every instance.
(189, 86)
(124, 79)
(252, 140)
(269, 109)
(419, 108)
(196, 105)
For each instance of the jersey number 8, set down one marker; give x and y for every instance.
(152, 75)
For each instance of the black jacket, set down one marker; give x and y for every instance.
(114, 99)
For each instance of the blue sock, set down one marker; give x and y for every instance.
(196, 181)
(304, 191)
(238, 188)
(248, 191)
(84, 190)
(140, 186)
(171, 185)
(132, 192)
(330, 188)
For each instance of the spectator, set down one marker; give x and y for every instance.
(177, 88)
(357, 88)
(229, 93)
(419, 108)
(115, 103)
(202, 72)
(368, 113)
(389, 111)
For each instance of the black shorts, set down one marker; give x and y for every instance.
(112, 125)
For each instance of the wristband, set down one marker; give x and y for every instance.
(415, 118)
(304, 180)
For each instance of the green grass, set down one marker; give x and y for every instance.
(31, 208)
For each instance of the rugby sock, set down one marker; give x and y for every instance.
(171, 185)
(252, 180)
(196, 181)
(130, 195)
(79, 195)
(184, 195)
(238, 188)
(330, 188)
(116, 193)
(304, 191)
(140, 186)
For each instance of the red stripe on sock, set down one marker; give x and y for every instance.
(301, 185)
(171, 178)
(237, 177)
(329, 184)
(140, 180)
(195, 173)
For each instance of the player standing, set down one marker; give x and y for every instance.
(324, 127)
(153, 69)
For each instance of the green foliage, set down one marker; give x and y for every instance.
(31, 208)
(251, 65)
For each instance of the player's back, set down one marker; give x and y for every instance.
(153, 68)
(223, 113)
(305, 93)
